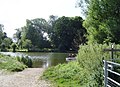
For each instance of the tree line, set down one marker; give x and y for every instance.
(57, 34)
(67, 33)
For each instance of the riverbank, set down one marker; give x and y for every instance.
(12, 64)
(26, 78)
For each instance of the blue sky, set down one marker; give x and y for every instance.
(13, 13)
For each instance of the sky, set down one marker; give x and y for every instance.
(13, 13)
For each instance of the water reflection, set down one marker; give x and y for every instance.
(42, 59)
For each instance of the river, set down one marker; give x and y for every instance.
(42, 60)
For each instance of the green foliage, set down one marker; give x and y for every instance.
(10, 63)
(7, 42)
(68, 33)
(66, 75)
(64, 33)
(87, 71)
(90, 58)
(27, 44)
(102, 22)
(32, 35)
(25, 60)
(3, 49)
(35, 30)
(14, 45)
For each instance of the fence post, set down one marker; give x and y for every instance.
(105, 73)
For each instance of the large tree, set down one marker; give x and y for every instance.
(68, 33)
(34, 31)
(51, 32)
(103, 21)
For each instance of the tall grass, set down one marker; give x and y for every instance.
(66, 75)
(10, 63)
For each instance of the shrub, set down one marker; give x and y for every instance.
(90, 58)
(11, 64)
(25, 60)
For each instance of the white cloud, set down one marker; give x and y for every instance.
(13, 13)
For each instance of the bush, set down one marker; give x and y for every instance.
(25, 60)
(11, 64)
(90, 58)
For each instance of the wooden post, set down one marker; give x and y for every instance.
(112, 50)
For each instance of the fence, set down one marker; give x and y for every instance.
(111, 76)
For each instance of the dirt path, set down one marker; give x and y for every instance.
(27, 78)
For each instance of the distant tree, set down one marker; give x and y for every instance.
(68, 32)
(84, 5)
(7, 42)
(79, 32)
(18, 37)
(27, 44)
(52, 19)
(51, 33)
(64, 33)
(34, 31)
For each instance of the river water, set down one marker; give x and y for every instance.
(42, 60)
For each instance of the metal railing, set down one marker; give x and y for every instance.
(111, 76)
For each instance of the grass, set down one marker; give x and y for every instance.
(65, 75)
(11, 63)
(87, 71)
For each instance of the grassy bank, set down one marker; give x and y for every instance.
(11, 63)
(87, 71)
(65, 75)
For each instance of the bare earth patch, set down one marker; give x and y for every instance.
(26, 78)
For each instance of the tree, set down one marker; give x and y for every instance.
(103, 21)
(34, 31)
(52, 19)
(4, 40)
(27, 44)
(51, 33)
(7, 42)
(18, 37)
(68, 32)
(84, 5)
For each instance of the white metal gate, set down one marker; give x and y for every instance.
(111, 77)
